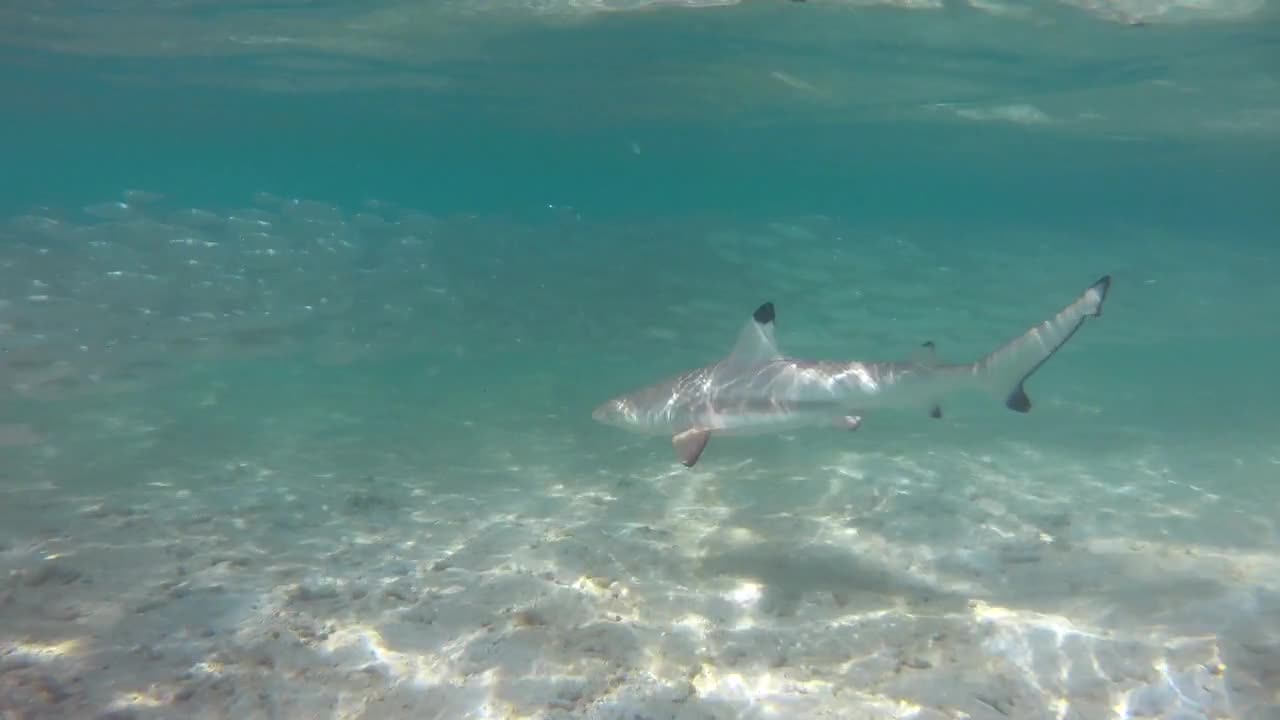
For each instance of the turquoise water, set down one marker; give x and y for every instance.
(304, 309)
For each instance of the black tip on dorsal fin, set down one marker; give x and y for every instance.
(1101, 286)
(764, 314)
(1018, 400)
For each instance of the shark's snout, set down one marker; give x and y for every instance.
(609, 413)
(601, 413)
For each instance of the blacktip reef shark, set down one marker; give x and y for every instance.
(757, 390)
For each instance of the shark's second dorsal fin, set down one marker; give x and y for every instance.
(756, 343)
(926, 355)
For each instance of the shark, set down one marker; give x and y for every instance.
(756, 389)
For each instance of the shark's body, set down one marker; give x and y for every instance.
(755, 389)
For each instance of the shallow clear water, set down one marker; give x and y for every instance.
(304, 309)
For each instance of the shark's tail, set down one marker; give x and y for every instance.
(1007, 369)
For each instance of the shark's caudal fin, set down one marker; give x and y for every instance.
(1008, 368)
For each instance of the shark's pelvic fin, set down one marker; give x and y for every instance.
(690, 444)
(756, 343)
(926, 356)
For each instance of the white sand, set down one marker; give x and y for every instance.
(647, 597)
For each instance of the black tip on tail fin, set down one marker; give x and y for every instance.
(1018, 400)
(764, 314)
(1057, 332)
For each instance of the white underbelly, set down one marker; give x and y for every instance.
(764, 423)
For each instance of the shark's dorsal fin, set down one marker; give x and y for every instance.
(756, 343)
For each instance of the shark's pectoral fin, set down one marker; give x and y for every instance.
(1018, 400)
(690, 444)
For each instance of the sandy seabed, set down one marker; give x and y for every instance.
(254, 594)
